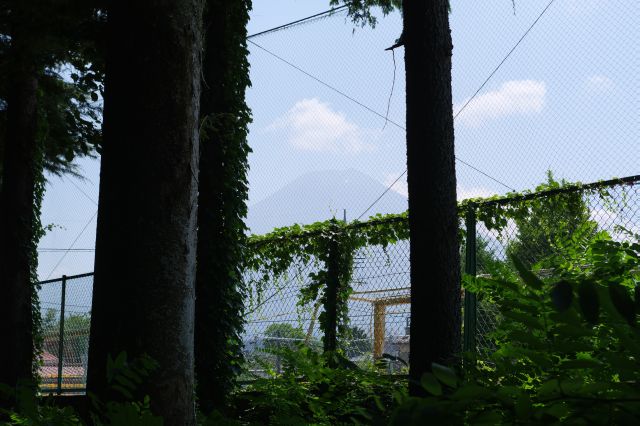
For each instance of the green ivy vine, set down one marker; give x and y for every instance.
(271, 256)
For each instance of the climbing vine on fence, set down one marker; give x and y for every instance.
(495, 212)
(272, 256)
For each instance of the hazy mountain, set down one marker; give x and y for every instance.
(322, 195)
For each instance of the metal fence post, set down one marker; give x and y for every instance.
(61, 334)
(470, 301)
(330, 340)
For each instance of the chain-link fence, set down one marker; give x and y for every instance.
(378, 310)
(533, 227)
(545, 225)
(543, 85)
(65, 305)
(542, 228)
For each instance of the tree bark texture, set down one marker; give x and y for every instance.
(143, 299)
(222, 202)
(17, 215)
(433, 221)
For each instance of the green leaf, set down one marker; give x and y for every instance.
(558, 410)
(487, 418)
(125, 392)
(595, 388)
(565, 330)
(122, 380)
(472, 391)
(523, 407)
(445, 374)
(527, 276)
(527, 320)
(431, 384)
(549, 388)
(622, 302)
(526, 338)
(574, 364)
(562, 295)
(588, 301)
(508, 392)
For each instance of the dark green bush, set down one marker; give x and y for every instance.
(568, 347)
(319, 389)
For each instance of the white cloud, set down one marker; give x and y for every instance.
(518, 97)
(400, 186)
(599, 84)
(311, 125)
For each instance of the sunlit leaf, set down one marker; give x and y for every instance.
(527, 276)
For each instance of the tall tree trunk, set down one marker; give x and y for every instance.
(143, 299)
(17, 222)
(222, 201)
(433, 221)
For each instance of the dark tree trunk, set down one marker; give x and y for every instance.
(433, 221)
(222, 201)
(143, 299)
(17, 216)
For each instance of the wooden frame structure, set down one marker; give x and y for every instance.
(380, 313)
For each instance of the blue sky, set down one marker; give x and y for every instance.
(566, 100)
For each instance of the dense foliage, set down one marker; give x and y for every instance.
(63, 50)
(567, 347)
(312, 391)
(223, 192)
(70, 57)
(361, 11)
(325, 250)
(546, 226)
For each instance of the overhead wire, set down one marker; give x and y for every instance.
(299, 21)
(345, 95)
(70, 249)
(357, 102)
(475, 94)
(307, 19)
(75, 240)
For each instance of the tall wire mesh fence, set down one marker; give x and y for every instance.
(65, 306)
(379, 306)
(555, 225)
(544, 85)
(378, 310)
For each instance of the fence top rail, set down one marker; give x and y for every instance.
(67, 277)
(629, 180)
(264, 239)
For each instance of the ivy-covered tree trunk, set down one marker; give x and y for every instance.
(433, 221)
(144, 288)
(222, 201)
(17, 222)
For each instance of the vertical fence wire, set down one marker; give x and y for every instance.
(61, 335)
(470, 302)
